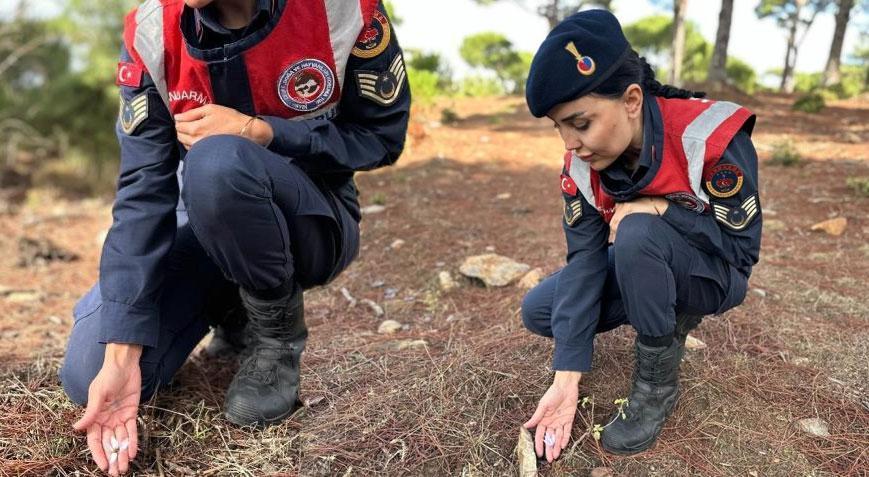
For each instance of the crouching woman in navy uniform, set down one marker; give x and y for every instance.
(255, 114)
(661, 215)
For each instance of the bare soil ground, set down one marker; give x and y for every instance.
(798, 347)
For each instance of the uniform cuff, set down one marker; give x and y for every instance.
(572, 358)
(679, 217)
(290, 138)
(122, 323)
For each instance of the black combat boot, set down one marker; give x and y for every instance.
(653, 395)
(684, 324)
(265, 389)
(230, 334)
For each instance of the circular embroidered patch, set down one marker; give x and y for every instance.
(586, 66)
(688, 201)
(306, 85)
(724, 180)
(737, 217)
(374, 38)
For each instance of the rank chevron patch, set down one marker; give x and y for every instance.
(382, 87)
(737, 218)
(572, 211)
(133, 112)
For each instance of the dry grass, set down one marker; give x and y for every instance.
(453, 407)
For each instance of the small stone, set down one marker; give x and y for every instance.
(531, 279)
(377, 283)
(440, 264)
(752, 473)
(397, 244)
(759, 292)
(411, 344)
(834, 227)
(377, 309)
(773, 224)
(494, 270)
(504, 196)
(389, 327)
(814, 426)
(446, 282)
(693, 344)
(373, 209)
(525, 456)
(311, 402)
(390, 293)
(485, 139)
(55, 319)
(800, 361)
(490, 248)
(601, 472)
(23, 296)
(348, 297)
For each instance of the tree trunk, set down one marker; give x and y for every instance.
(787, 81)
(551, 12)
(831, 71)
(718, 66)
(678, 51)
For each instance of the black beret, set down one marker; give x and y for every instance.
(575, 58)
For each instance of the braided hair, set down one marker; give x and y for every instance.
(635, 69)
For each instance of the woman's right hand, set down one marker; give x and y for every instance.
(113, 404)
(554, 415)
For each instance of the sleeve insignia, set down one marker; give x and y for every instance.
(133, 112)
(737, 218)
(688, 201)
(568, 186)
(572, 211)
(724, 180)
(374, 38)
(382, 87)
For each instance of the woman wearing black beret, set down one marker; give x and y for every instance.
(661, 215)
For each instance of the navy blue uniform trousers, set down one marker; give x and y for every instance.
(248, 218)
(654, 273)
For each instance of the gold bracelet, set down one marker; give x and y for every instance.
(244, 128)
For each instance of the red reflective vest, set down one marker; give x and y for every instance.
(295, 71)
(696, 133)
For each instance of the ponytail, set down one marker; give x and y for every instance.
(636, 70)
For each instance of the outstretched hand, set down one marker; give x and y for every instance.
(110, 416)
(554, 416)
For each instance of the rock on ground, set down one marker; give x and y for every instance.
(834, 227)
(372, 209)
(493, 269)
(531, 279)
(446, 282)
(814, 426)
(692, 343)
(388, 327)
(526, 458)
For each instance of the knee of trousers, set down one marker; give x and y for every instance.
(639, 237)
(536, 312)
(220, 171)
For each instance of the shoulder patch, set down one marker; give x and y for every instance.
(374, 38)
(568, 186)
(724, 180)
(133, 112)
(688, 201)
(382, 87)
(572, 211)
(737, 218)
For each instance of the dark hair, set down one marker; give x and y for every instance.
(635, 69)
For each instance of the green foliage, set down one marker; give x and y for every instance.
(653, 36)
(477, 86)
(860, 185)
(809, 103)
(449, 116)
(852, 83)
(741, 74)
(494, 52)
(784, 154)
(432, 62)
(423, 85)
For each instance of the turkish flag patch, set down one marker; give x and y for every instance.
(568, 186)
(129, 74)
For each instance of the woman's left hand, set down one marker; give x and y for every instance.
(212, 119)
(554, 415)
(642, 205)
